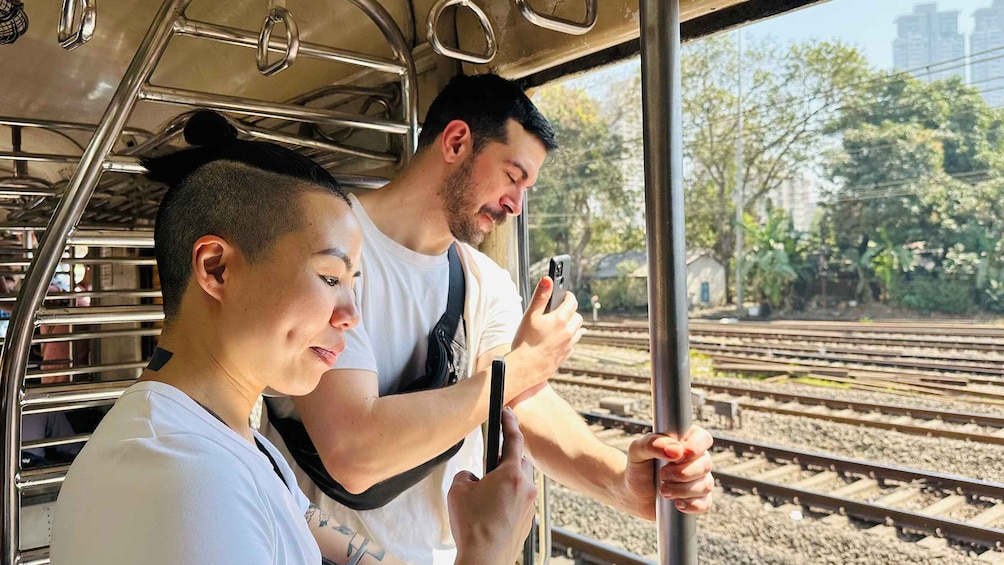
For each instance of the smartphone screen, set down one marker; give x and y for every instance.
(558, 271)
(495, 415)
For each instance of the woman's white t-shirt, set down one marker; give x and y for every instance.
(162, 481)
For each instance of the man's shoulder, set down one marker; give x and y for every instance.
(484, 266)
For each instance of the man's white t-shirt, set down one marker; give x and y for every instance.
(401, 296)
(163, 482)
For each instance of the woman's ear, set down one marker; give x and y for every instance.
(211, 257)
(456, 141)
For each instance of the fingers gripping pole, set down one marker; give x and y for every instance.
(70, 37)
(278, 14)
(432, 25)
(560, 24)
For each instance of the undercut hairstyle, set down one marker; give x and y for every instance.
(246, 192)
(485, 103)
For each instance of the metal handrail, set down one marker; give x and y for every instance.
(275, 16)
(70, 38)
(40, 397)
(267, 109)
(555, 23)
(67, 213)
(431, 33)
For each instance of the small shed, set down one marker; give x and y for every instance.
(621, 279)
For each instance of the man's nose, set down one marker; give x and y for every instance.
(512, 204)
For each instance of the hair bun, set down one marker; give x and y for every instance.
(208, 129)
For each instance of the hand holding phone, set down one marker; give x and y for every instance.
(558, 271)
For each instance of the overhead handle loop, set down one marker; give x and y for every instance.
(72, 34)
(491, 47)
(276, 16)
(560, 24)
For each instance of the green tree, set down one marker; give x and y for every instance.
(776, 255)
(580, 204)
(788, 94)
(919, 163)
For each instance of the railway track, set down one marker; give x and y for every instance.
(984, 428)
(827, 352)
(919, 504)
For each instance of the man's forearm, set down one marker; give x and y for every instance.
(379, 438)
(561, 445)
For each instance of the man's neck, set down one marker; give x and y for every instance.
(205, 377)
(410, 211)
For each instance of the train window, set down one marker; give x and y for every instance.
(845, 260)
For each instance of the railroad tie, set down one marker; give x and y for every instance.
(856, 487)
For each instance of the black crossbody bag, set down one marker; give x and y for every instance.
(445, 363)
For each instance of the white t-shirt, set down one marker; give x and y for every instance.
(163, 482)
(401, 296)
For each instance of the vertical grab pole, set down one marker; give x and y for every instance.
(663, 135)
(68, 211)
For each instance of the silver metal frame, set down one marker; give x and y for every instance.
(17, 399)
(432, 33)
(560, 24)
(667, 298)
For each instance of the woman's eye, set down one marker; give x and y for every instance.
(331, 281)
(511, 179)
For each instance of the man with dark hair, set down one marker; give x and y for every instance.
(381, 461)
(174, 473)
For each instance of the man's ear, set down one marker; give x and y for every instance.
(211, 257)
(456, 141)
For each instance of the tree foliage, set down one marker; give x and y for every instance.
(580, 204)
(920, 165)
(787, 95)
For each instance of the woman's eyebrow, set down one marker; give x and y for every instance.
(337, 252)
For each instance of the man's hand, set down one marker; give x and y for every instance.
(542, 343)
(490, 518)
(686, 478)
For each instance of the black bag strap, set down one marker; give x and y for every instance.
(444, 330)
(445, 363)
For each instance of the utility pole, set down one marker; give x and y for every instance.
(739, 176)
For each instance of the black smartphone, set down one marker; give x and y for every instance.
(495, 415)
(558, 271)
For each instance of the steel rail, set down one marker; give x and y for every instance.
(972, 488)
(987, 420)
(863, 420)
(943, 363)
(593, 551)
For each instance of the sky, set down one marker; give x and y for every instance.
(870, 24)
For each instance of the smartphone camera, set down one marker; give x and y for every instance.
(559, 269)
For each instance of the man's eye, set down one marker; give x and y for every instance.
(511, 179)
(331, 281)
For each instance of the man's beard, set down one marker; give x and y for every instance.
(457, 195)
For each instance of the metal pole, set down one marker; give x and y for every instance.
(36, 283)
(667, 291)
(739, 196)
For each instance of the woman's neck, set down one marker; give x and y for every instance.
(208, 379)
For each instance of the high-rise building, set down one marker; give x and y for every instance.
(986, 53)
(928, 44)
